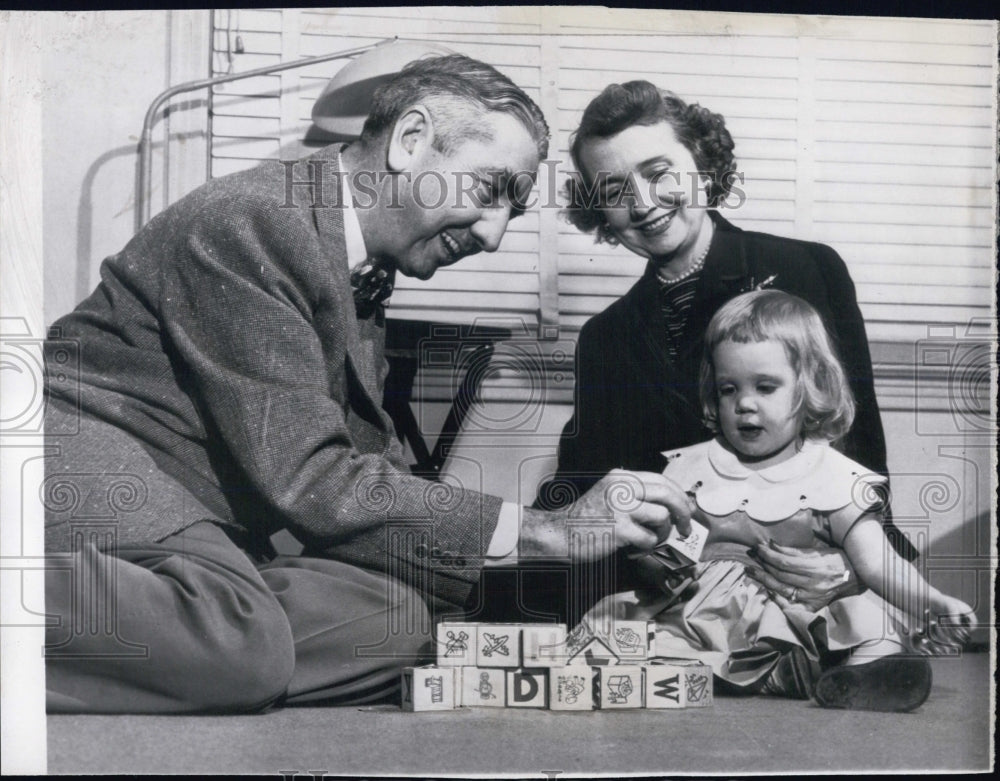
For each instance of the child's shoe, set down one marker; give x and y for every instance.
(793, 676)
(893, 683)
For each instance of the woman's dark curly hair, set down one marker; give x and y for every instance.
(621, 106)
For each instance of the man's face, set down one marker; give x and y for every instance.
(449, 206)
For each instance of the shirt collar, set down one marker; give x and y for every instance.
(353, 237)
(725, 461)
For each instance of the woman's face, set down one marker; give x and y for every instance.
(648, 188)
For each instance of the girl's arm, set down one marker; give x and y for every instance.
(899, 583)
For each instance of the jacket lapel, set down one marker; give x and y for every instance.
(725, 274)
(642, 308)
(364, 350)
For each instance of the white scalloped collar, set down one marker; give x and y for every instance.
(817, 478)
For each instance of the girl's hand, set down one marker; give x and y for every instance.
(811, 578)
(946, 626)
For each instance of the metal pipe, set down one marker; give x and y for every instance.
(143, 194)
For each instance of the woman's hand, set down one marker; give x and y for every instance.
(811, 578)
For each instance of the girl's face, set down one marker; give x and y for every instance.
(655, 201)
(756, 394)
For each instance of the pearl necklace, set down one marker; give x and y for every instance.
(691, 270)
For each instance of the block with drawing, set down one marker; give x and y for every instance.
(482, 687)
(620, 686)
(631, 641)
(499, 645)
(572, 688)
(428, 688)
(456, 643)
(543, 645)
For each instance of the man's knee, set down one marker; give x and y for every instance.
(246, 661)
(177, 639)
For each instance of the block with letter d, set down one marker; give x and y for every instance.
(678, 683)
(428, 688)
(527, 688)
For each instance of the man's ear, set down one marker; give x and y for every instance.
(411, 137)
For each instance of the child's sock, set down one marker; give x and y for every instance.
(893, 683)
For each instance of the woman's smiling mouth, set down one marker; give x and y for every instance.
(659, 224)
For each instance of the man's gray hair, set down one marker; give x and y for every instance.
(458, 91)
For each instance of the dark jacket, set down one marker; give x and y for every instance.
(632, 401)
(223, 339)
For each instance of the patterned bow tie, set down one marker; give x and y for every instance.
(371, 285)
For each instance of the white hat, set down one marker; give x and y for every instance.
(347, 99)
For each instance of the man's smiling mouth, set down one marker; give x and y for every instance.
(453, 248)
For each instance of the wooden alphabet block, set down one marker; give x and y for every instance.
(697, 685)
(456, 643)
(499, 645)
(543, 645)
(620, 686)
(536, 652)
(483, 688)
(689, 547)
(594, 652)
(527, 688)
(572, 688)
(630, 641)
(678, 683)
(428, 688)
(664, 686)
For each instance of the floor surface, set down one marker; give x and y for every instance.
(736, 736)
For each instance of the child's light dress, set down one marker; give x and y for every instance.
(809, 501)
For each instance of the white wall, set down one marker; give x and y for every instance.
(100, 71)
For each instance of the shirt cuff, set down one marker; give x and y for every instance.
(503, 546)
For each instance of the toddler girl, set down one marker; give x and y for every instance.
(776, 395)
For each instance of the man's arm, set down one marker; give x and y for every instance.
(262, 320)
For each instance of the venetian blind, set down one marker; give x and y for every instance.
(873, 136)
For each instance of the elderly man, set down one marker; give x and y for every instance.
(229, 385)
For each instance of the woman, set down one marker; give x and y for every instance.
(649, 164)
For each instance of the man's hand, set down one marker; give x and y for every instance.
(639, 506)
(809, 577)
